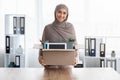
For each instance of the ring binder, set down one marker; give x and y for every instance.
(15, 25)
(22, 25)
(17, 60)
(7, 44)
(93, 47)
(102, 63)
(102, 49)
(87, 46)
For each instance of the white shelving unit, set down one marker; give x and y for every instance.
(14, 40)
(96, 60)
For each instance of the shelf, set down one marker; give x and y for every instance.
(15, 40)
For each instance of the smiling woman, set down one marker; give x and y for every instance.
(59, 30)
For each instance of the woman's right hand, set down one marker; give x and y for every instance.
(42, 61)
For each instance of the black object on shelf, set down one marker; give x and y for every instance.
(17, 61)
(102, 63)
(7, 44)
(12, 64)
(79, 66)
(102, 49)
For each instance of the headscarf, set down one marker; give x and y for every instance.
(58, 7)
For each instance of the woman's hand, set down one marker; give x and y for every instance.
(76, 61)
(42, 61)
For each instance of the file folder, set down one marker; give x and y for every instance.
(87, 46)
(102, 63)
(102, 49)
(7, 44)
(92, 46)
(15, 25)
(17, 60)
(22, 25)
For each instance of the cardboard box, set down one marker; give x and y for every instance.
(59, 56)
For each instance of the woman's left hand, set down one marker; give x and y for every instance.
(76, 61)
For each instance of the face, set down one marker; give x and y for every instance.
(61, 15)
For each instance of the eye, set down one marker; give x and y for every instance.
(64, 13)
(59, 12)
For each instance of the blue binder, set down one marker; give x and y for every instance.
(92, 46)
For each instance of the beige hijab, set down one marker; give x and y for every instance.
(59, 31)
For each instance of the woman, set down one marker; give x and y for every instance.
(59, 30)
